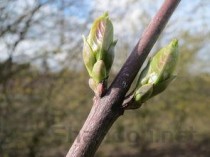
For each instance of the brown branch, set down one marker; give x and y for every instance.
(107, 109)
(131, 67)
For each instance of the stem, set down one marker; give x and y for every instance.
(134, 62)
(96, 126)
(107, 109)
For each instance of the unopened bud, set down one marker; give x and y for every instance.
(159, 71)
(109, 56)
(164, 62)
(98, 52)
(143, 93)
(99, 71)
(93, 85)
(99, 44)
(88, 56)
(101, 35)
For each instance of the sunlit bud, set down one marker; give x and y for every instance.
(164, 62)
(161, 66)
(99, 72)
(98, 53)
(101, 40)
(143, 93)
(93, 85)
(159, 71)
(101, 34)
(98, 88)
(88, 56)
(109, 56)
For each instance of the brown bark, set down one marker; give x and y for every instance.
(107, 109)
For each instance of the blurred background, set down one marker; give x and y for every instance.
(44, 94)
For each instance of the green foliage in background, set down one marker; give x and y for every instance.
(41, 113)
(42, 110)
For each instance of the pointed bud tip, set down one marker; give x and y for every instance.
(174, 43)
(99, 71)
(106, 14)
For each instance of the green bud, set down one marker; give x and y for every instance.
(98, 53)
(143, 78)
(160, 87)
(159, 72)
(99, 72)
(88, 56)
(162, 65)
(99, 44)
(93, 85)
(101, 35)
(109, 56)
(164, 62)
(143, 93)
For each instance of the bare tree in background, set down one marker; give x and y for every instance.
(33, 32)
(40, 45)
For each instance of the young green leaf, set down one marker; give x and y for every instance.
(98, 51)
(158, 73)
(88, 56)
(99, 72)
(143, 93)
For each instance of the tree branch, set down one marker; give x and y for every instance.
(131, 67)
(107, 109)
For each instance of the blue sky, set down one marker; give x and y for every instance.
(129, 17)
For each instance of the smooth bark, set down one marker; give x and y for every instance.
(107, 109)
